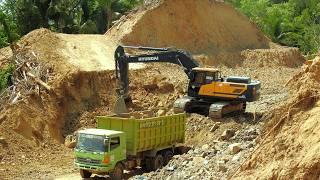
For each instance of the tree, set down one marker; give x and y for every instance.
(19, 17)
(288, 22)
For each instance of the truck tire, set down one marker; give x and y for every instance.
(157, 162)
(85, 173)
(117, 173)
(167, 156)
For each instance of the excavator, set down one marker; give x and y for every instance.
(208, 92)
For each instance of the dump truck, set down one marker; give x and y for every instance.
(124, 143)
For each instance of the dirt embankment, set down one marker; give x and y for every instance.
(81, 80)
(79, 70)
(290, 146)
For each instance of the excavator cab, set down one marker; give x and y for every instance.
(202, 76)
(206, 75)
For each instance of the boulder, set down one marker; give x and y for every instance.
(235, 148)
(165, 87)
(227, 134)
(70, 141)
(222, 166)
(161, 112)
(3, 140)
(214, 127)
(205, 147)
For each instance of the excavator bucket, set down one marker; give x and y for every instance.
(120, 106)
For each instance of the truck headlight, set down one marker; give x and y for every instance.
(106, 159)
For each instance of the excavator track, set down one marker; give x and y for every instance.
(218, 109)
(214, 110)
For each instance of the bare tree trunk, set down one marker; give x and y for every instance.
(109, 18)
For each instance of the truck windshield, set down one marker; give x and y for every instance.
(89, 142)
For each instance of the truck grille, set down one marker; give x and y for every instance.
(88, 160)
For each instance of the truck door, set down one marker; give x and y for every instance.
(116, 150)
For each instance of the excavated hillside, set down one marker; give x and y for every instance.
(206, 27)
(289, 148)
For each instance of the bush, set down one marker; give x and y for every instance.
(5, 77)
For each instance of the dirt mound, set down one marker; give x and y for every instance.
(202, 27)
(290, 147)
(80, 75)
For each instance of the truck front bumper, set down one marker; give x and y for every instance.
(93, 168)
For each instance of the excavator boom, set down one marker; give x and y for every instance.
(168, 55)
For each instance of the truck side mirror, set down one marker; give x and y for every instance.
(105, 142)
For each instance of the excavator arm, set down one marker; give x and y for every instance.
(166, 55)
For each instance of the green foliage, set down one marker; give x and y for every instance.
(288, 22)
(5, 75)
(19, 17)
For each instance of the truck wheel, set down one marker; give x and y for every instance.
(85, 173)
(167, 156)
(157, 162)
(117, 173)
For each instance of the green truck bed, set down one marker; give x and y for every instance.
(147, 134)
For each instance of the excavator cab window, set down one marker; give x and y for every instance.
(206, 77)
(210, 77)
(199, 77)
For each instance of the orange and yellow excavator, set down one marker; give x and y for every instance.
(208, 92)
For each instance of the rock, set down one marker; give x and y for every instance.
(70, 141)
(171, 168)
(227, 134)
(253, 131)
(184, 163)
(161, 112)
(250, 145)
(23, 156)
(165, 87)
(221, 166)
(204, 154)
(196, 151)
(198, 160)
(225, 159)
(3, 140)
(236, 157)
(2, 117)
(205, 147)
(150, 87)
(189, 159)
(214, 127)
(235, 148)
(160, 104)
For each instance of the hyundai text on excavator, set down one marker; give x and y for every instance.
(208, 92)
